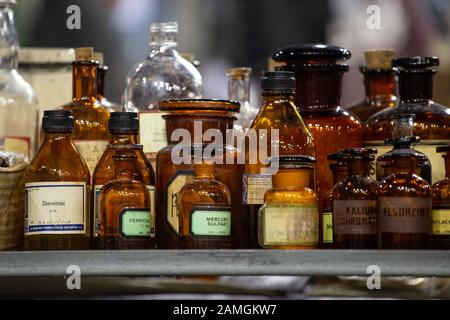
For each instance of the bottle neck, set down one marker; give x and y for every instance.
(9, 45)
(339, 172)
(84, 81)
(270, 98)
(204, 170)
(318, 89)
(359, 167)
(124, 167)
(163, 42)
(56, 137)
(379, 84)
(291, 179)
(415, 87)
(101, 75)
(239, 88)
(123, 138)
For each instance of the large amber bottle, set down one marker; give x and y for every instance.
(102, 71)
(404, 203)
(90, 132)
(187, 122)
(124, 129)
(289, 218)
(355, 216)
(125, 208)
(205, 209)
(57, 190)
(441, 205)
(279, 121)
(318, 70)
(379, 83)
(432, 122)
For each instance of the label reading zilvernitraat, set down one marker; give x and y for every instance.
(55, 208)
(441, 221)
(327, 226)
(211, 222)
(290, 225)
(254, 187)
(404, 215)
(91, 151)
(353, 217)
(136, 222)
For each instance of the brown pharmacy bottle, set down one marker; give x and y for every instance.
(205, 210)
(379, 83)
(289, 218)
(125, 208)
(355, 211)
(102, 71)
(90, 132)
(404, 204)
(57, 193)
(440, 238)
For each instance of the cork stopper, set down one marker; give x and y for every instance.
(98, 56)
(379, 59)
(84, 54)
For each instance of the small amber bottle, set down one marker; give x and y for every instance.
(205, 209)
(404, 202)
(57, 190)
(125, 208)
(441, 206)
(289, 219)
(355, 216)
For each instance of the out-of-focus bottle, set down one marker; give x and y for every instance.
(379, 82)
(102, 71)
(162, 75)
(18, 104)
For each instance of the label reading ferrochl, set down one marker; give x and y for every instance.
(136, 222)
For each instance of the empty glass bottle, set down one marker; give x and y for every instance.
(57, 190)
(162, 75)
(355, 211)
(289, 218)
(18, 105)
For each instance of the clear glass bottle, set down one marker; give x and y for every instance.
(123, 129)
(404, 204)
(57, 206)
(205, 209)
(432, 122)
(355, 212)
(289, 218)
(91, 118)
(379, 83)
(162, 75)
(440, 238)
(19, 109)
(278, 112)
(125, 208)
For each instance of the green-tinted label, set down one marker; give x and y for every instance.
(327, 226)
(136, 222)
(213, 223)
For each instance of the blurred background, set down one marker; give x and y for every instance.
(234, 33)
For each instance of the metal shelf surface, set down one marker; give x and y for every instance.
(225, 262)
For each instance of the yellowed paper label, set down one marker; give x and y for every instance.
(441, 221)
(91, 151)
(152, 131)
(327, 226)
(254, 187)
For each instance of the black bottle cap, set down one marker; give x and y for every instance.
(294, 161)
(57, 120)
(315, 51)
(123, 122)
(279, 81)
(414, 63)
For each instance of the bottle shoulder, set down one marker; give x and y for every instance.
(281, 196)
(15, 90)
(356, 187)
(405, 184)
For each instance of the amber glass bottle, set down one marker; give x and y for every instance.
(319, 70)
(404, 202)
(102, 71)
(355, 216)
(186, 121)
(205, 210)
(379, 83)
(57, 190)
(90, 132)
(289, 218)
(441, 205)
(432, 122)
(124, 205)
(124, 130)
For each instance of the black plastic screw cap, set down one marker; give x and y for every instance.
(123, 121)
(57, 120)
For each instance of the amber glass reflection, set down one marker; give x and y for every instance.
(102, 71)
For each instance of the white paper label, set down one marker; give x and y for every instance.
(55, 208)
(91, 151)
(152, 131)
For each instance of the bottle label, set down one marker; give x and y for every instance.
(211, 222)
(173, 188)
(290, 225)
(17, 144)
(91, 151)
(441, 221)
(404, 215)
(55, 208)
(135, 222)
(151, 190)
(327, 225)
(355, 217)
(152, 131)
(254, 186)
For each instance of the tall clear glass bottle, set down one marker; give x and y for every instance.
(19, 109)
(162, 75)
